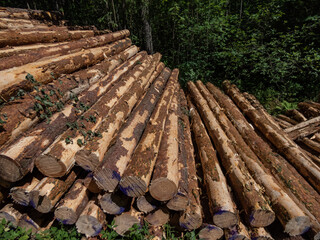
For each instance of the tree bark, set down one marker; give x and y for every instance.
(210, 232)
(304, 129)
(63, 49)
(58, 158)
(147, 26)
(45, 71)
(91, 220)
(21, 194)
(283, 124)
(222, 207)
(280, 140)
(22, 113)
(18, 157)
(287, 119)
(296, 115)
(290, 215)
(136, 177)
(310, 110)
(94, 151)
(246, 189)
(116, 159)
(48, 192)
(294, 184)
(21, 24)
(56, 34)
(71, 206)
(191, 218)
(164, 183)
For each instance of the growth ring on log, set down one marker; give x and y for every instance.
(163, 189)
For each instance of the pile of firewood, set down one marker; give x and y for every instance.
(92, 130)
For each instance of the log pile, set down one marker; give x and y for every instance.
(92, 130)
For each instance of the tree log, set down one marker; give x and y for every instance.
(36, 221)
(14, 38)
(95, 150)
(222, 206)
(164, 183)
(22, 24)
(311, 144)
(290, 215)
(58, 158)
(22, 112)
(310, 110)
(147, 203)
(282, 123)
(11, 214)
(158, 217)
(136, 177)
(46, 70)
(116, 159)
(48, 192)
(18, 157)
(84, 43)
(71, 206)
(210, 232)
(296, 115)
(21, 194)
(180, 201)
(260, 234)
(114, 203)
(294, 184)
(90, 183)
(304, 129)
(246, 189)
(126, 220)
(191, 218)
(287, 119)
(238, 232)
(317, 137)
(91, 220)
(280, 140)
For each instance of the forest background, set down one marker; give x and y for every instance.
(270, 48)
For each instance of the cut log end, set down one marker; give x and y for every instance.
(44, 205)
(107, 179)
(20, 196)
(225, 219)
(298, 226)
(178, 203)
(158, 218)
(144, 204)
(85, 159)
(190, 220)
(9, 170)
(89, 226)
(50, 166)
(113, 204)
(262, 218)
(210, 232)
(133, 186)
(66, 215)
(163, 189)
(124, 222)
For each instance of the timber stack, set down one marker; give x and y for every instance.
(92, 129)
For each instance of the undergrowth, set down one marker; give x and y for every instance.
(63, 232)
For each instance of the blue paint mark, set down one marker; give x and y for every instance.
(251, 219)
(305, 230)
(180, 194)
(90, 174)
(97, 230)
(121, 210)
(211, 227)
(183, 225)
(126, 189)
(116, 175)
(220, 212)
(32, 204)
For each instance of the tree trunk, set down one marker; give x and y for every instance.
(222, 206)
(164, 183)
(71, 206)
(48, 192)
(45, 71)
(58, 159)
(294, 184)
(63, 49)
(56, 34)
(191, 218)
(210, 232)
(17, 157)
(246, 189)
(136, 177)
(21, 195)
(11, 214)
(180, 201)
(116, 159)
(22, 112)
(290, 215)
(91, 220)
(147, 26)
(304, 129)
(280, 140)
(114, 203)
(124, 222)
(95, 150)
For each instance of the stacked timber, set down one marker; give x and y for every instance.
(93, 131)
